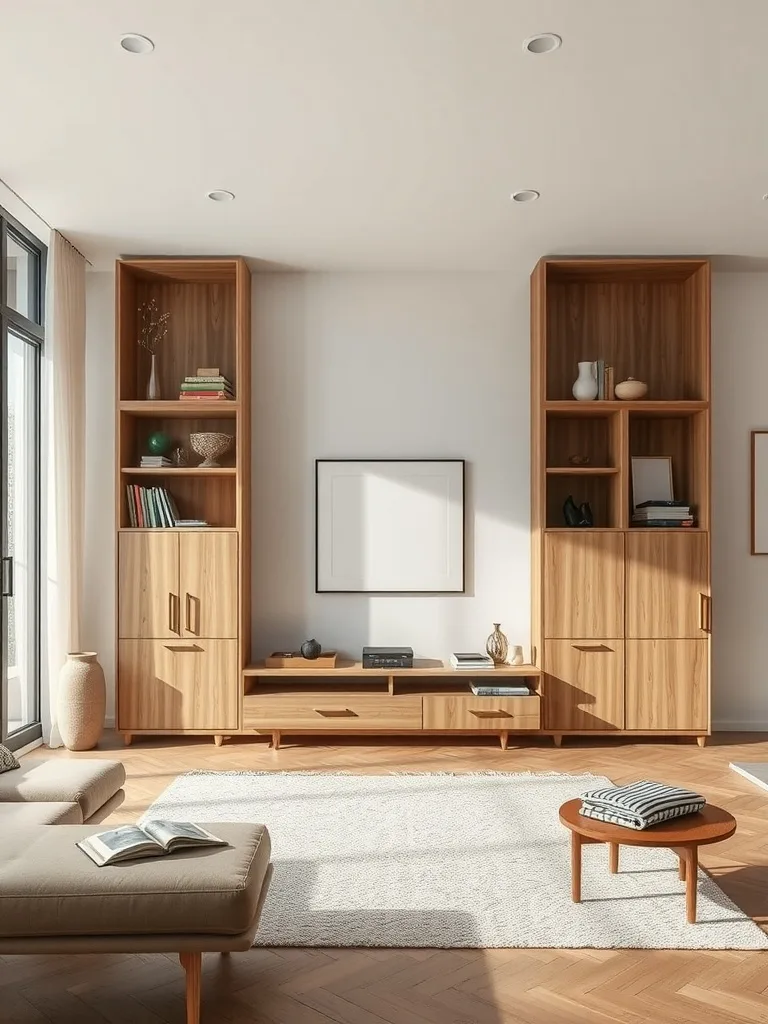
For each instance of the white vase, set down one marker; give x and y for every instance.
(516, 655)
(81, 701)
(585, 385)
(153, 385)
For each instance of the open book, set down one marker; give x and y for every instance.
(151, 839)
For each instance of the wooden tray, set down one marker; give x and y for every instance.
(326, 660)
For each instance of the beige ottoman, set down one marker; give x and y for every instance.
(85, 781)
(53, 899)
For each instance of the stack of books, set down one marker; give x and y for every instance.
(663, 513)
(605, 381)
(155, 462)
(471, 660)
(207, 385)
(154, 507)
(510, 690)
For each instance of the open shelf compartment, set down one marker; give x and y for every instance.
(685, 440)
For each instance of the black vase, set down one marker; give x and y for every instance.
(310, 650)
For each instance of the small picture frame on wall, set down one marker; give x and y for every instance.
(759, 487)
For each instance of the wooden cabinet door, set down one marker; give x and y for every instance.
(148, 587)
(667, 684)
(583, 686)
(177, 685)
(667, 585)
(208, 584)
(583, 585)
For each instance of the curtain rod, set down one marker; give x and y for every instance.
(40, 217)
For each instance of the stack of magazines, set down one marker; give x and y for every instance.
(155, 462)
(663, 513)
(207, 385)
(504, 690)
(471, 660)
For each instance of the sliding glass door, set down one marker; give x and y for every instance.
(21, 342)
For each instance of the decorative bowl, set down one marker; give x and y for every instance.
(210, 446)
(630, 390)
(578, 460)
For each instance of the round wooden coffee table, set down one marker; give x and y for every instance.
(682, 835)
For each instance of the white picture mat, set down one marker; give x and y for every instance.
(759, 492)
(652, 479)
(390, 526)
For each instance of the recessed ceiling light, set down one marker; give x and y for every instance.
(134, 43)
(221, 195)
(526, 195)
(542, 42)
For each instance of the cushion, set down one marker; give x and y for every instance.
(48, 887)
(639, 805)
(7, 760)
(17, 815)
(84, 781)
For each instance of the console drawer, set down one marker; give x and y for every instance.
(467, 712)
(335, 712)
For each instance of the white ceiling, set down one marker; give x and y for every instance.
(390, 133)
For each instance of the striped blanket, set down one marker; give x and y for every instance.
(639, 805)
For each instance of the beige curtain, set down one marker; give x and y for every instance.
(66, 491)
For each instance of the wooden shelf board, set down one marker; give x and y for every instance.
(189, 410)
(585, 529)
(179, 471)
(574, 408)
(581, 470)
(355, 668)
(177, 529)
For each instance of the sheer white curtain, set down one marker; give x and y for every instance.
(65, 499)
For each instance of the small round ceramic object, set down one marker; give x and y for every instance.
(158, 443)
(311, 649)
(630, 390)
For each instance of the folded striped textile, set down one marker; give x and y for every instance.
(639, 805)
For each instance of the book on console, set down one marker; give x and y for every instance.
(480, 690)
(151, 839)
(471, 659)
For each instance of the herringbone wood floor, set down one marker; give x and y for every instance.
(379, 986)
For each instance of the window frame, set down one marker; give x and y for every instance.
(32, 331)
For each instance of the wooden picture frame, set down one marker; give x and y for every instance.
(759, 492)
(389, 526)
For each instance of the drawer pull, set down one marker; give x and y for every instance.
(490, 714)
(183, 648)
(335, 712)
(591, 648)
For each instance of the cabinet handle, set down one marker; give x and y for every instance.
(709, 613)
(490, 714)
(171, 611)
(335, 713)
(593, 648)
(7, 566)
(703, 612)
(183, 648)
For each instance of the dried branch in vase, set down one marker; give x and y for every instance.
(153, 326)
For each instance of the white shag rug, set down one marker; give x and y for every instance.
(446, 861)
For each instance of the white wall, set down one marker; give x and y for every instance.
(432, 365)
(740, 580)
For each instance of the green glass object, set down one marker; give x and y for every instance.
(159, 443)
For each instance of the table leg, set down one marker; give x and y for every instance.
(614, 848)
(691, 882)
(680, 866)
(575, 867)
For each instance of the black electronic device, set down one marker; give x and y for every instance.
(387, 657)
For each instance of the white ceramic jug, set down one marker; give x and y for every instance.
(585, 385)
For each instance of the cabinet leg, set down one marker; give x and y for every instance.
(557, 739)
(503, 738)
(701, 740)
(192, 964)
(127, 737)
(218, 739)
(575, 867)
(614, 858)
(276, 739)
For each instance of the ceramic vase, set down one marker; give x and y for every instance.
(585, 386)
(153, 384)
(517, 655)
(497, 645)
(81, 701)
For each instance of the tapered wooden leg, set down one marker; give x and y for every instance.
(691, 882)
(127, 737)
(503, 738)
(218, 739)
(701, 740)
(681, 866)
(193, 965)
(276, 740)
(575, 867)
(614, 858)
(557, 739)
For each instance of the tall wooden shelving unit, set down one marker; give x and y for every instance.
(183, 597)
(621, 614)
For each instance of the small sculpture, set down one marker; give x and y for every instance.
(311, 650)
(497, 645)
(578, 460)
(577, 515)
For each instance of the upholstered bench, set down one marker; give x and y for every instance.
(53, 899)
(89, 783)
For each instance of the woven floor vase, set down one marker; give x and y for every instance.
(82, 701)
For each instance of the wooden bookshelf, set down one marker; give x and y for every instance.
(183, 601)
(610, 662)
